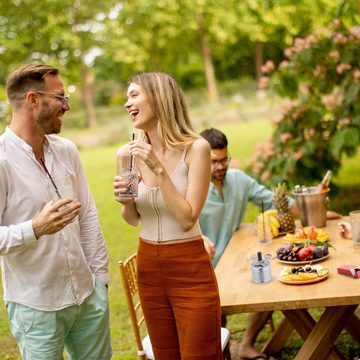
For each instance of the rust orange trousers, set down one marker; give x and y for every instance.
(180, 300)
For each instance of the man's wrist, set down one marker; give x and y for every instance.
(36, 229)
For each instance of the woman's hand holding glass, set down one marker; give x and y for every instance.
(121, 187)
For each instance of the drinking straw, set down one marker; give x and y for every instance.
(263, 216)
(131, 157)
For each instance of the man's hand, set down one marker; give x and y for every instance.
(345, 229)
(54, 216)
(209, 246)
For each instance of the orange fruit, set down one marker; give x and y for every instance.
(294, 277)
(307, 276)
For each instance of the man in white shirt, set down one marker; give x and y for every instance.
(53, 255)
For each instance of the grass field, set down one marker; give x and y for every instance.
(121, 239)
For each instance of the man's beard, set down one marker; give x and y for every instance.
(48, 121)
(218, 175)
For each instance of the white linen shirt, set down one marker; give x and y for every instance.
(58, 270)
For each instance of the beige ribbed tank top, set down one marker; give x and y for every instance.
(158, 223)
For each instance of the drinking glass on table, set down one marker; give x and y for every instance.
(355, 227)
(263, 230)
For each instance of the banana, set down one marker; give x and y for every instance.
(270, 215)
(273, 220)
(323, 237)
(274, 225)
(271, 212)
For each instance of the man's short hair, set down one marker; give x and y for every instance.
(215, 138)
(25, 78)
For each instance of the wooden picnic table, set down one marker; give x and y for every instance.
(339, 295)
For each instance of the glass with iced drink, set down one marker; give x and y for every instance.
(127, 169)
(355, 227)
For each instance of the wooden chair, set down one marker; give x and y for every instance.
(128, 277)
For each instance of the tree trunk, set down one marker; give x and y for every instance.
(208, 64)
(258, 60)
(87, 96)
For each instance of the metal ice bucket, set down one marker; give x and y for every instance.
(312, 206)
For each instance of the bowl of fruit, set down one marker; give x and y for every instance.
(305, 246)
(301, 275)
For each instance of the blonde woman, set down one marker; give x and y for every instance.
(176, 281)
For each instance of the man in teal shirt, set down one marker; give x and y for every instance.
(225, 208)
(229, 193)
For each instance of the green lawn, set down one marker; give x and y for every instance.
(99, 163)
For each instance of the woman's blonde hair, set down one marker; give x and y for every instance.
(168, 102)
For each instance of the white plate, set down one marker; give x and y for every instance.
(305, 262)
(303, 282)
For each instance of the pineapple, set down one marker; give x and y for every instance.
(280, 201)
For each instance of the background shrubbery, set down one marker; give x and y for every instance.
(320, 121)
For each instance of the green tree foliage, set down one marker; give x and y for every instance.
(98, 45)
(321, 120)
(65, 33)
(175, 36)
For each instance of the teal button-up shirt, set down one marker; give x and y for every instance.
(221, 217)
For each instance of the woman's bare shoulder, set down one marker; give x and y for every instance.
(200, 145)
(198, 151)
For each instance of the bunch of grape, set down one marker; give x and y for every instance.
(288, 252)
(300, 269)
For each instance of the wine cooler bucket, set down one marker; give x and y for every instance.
(312, 206)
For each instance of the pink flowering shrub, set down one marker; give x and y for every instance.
(320, 121)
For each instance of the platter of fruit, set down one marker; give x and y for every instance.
(305, 246)
(302, 275)
(302, 253)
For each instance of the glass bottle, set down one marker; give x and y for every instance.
(325, 182)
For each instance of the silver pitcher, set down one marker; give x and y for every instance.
(312, 206)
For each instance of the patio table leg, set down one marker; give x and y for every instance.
(324, 334)
(304, 324)
(353, 327)
(279, 337)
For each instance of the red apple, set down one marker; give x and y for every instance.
(305, 253)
